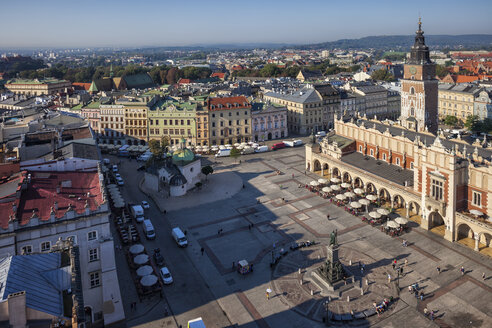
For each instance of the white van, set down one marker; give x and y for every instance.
(261, 149)
(148, 229)
(298, 143)
(223, 153)
(321, 134)
(179, 237)
(247, 150)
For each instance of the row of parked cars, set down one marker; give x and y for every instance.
(225, 151)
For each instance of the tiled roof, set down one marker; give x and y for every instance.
(81, 86)
(306, 95)
(138, 81)
(380, 168)
(41, 194)
(222, 103)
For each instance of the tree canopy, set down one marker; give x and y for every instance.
(382, 75)
(451, 120)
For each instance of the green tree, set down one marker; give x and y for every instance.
(155, 148)
(472, 123)
(451, 120)
(441, 71)
(207, 170)
(382, 75)
(164, 144)
(235, 153)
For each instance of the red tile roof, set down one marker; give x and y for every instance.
(41, 194)
(81, 86)
(218, 74)
(184, 81)
(466, 78)
(222, 103)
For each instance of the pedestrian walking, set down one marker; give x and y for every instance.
(328, 216)
(202, 250)
(389, 278)
(394, 265)
(462, 270)
(483, 275)
(432, 315)
(292, 175)
(406, 262)
(394, 262)
(267, 295)
(438, 270)
(305, 173)
(401, 271)
(421, 296)
(426, 312)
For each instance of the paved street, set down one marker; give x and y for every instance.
(207, 286)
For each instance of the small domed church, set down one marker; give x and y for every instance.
(177, 174)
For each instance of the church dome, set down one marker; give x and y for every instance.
(177, 180)
(183, 155)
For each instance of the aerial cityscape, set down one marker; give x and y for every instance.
(251, 165)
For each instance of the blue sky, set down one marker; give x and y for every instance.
(55, 23)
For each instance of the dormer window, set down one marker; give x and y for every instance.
(212, 107)
(228, 105)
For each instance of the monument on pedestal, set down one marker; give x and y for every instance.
(332, 271)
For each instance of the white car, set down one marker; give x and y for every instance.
(115, 168)
(120, 182)
(117, 176)
(166, 276)
(145, 205)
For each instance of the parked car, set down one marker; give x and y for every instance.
(120, 181)
(166, 276)
(118, 176)
(278, 145)
(158, 258)
(145, 205)
(115, 168)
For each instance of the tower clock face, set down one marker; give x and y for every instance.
(413, 70)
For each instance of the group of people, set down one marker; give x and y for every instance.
(383, 306)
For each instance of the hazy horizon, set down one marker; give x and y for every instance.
(151, 23)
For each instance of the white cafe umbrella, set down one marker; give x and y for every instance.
(335, 180)
(141, 259)
(314, 183)
(358, 191)
(137, 249)
(364, 201)
(372, 197)
(326, 189)
(335, 187)
(341, 196)
(148, 280)
(237, 144)
(355, 205)
(323, 181)
(383, 211)
(392, 224)
(349, 194)
(476, 212)
(401, 220)
(268, 290)
(345, 185)
(144, 270)
(374, 215)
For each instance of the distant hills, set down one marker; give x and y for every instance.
(404, 42)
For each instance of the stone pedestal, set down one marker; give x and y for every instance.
(448, 235)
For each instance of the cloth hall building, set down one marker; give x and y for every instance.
(442, 185)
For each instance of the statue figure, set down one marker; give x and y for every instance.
(333, 238)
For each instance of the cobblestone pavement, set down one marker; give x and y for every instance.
(269, 213)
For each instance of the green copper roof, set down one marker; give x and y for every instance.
(183, 155)
(93, 87)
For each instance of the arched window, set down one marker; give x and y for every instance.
(412, 90)
(412, 111)
(397, 161)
